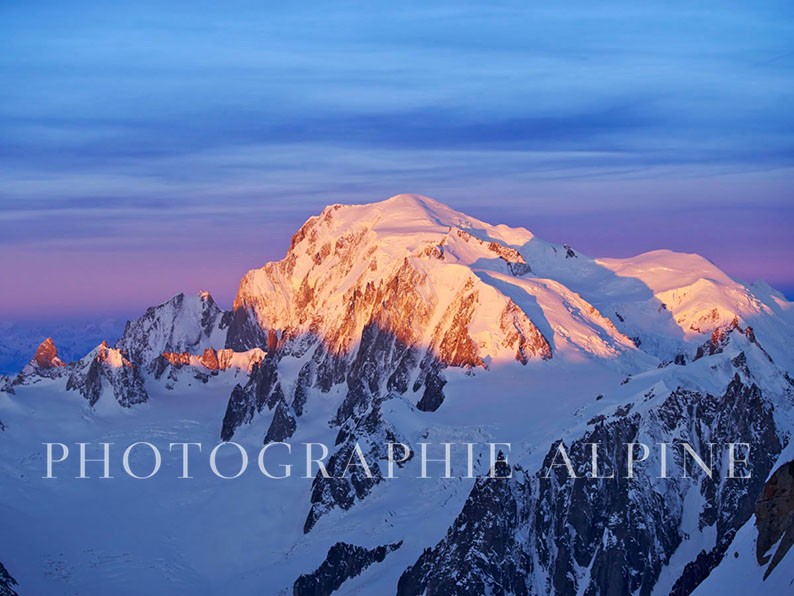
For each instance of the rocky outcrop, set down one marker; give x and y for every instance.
(46, 356)
(343, 562)
(244, 331)
(348, 481)
(7, 583)
(774, 518)
(107, 370)
(431, 375)
(209, 362)
(262, 389)
(514, 260)
(182, 324)
(494, 562)
(283, 425)
(720, 338)
(44, 364)
(549, 528)
(6, 385)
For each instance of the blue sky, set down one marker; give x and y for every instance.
(150, 147)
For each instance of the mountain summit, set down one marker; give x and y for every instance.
(432, 276)
(405, 321)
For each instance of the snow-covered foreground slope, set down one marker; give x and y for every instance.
(406, 321)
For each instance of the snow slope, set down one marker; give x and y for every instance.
(407, 320)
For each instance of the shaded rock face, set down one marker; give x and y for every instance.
(283, 425)
(493, 564)
(108, 369)
(348, 481)
(182, 324)
(774, 517)
(342, 562)
(549, 528)
(382, 364)
(434, 381)
(262, 389)
(244, 331)
(7, 583)
(381, 367)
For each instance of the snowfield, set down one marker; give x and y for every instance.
(406, 321)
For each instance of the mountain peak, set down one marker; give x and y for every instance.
(185, 323)
(412, 201)
(435, 278)
(400, 212)
(45, 363)
(403, 223)
(46, 356)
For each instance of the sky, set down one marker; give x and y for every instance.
(149, 148)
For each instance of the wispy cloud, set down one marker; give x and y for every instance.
(190, 129)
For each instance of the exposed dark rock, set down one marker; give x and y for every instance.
(718, 340)
(433, 396)
(301, 392)
(624, 531)
(108, 368)
(263, 389)
(7, 583)
(519, 269)
(283, 424)
(381, 359)
(406, 363)
(492, 563)
(430, 376)
(348, 483)
(774, 515)
(182, 324)
(343, 562)
(244, 331)
(239, 410)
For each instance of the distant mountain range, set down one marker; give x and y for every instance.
(18, 340)
(407, 321)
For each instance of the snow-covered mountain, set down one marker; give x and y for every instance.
(407, 321)
(183, 324)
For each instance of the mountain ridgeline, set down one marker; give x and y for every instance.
(402, 320)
